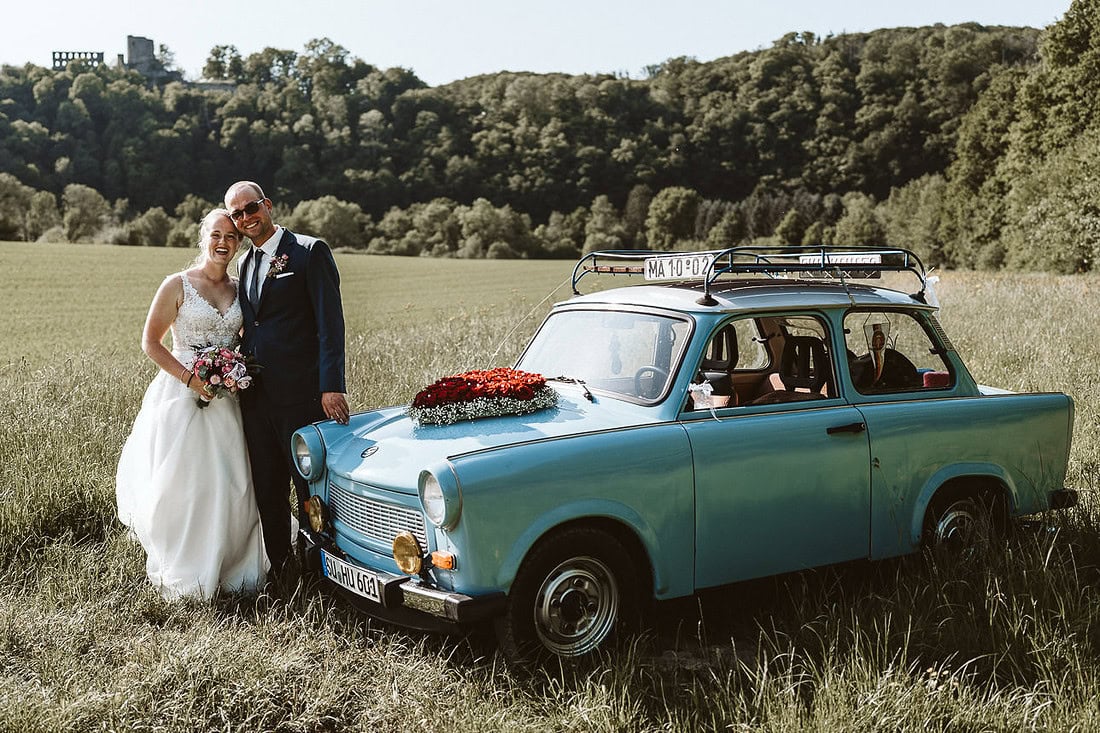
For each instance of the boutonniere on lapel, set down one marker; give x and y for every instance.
(278, 264)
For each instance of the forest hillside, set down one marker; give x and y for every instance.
(972, 145)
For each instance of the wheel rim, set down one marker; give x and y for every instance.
(576, 606)
(958, 528)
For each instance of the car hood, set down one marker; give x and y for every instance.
(386, 449)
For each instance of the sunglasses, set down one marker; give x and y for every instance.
(248, 210)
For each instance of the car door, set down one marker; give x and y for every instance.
(779, 486)
(780, 490)
(906, 389)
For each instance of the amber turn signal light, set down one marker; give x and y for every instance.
(443, 560)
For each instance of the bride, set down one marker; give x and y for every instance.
(183, 485)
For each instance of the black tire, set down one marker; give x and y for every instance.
(573, 592)
(961, 526)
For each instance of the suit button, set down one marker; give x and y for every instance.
(255, 323)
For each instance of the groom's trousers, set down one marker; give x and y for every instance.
(267, 431)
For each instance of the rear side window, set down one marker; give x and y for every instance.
(891, 351)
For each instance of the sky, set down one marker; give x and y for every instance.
(444, 41)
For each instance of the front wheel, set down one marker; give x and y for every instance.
(569, 597)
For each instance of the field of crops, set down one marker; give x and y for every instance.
(1008, 643)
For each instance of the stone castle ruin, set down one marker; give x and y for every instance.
(61, 59)
(140, 57)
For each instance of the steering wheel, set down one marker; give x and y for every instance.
(657, 379)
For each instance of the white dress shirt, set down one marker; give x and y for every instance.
(269, 247)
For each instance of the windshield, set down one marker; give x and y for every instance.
(630, 354)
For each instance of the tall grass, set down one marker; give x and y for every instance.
(1008, 641)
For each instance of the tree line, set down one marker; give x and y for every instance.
(969, 144)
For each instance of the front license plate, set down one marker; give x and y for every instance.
(354, 578)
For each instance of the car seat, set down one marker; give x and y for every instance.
(719, 361)
(803, 371)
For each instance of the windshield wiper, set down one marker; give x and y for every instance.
(574, 380)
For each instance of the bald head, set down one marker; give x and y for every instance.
(250, 189)
(250, 210)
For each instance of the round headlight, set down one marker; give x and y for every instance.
(431, 496)
(406, 553)
(308, 452)
(440, 495)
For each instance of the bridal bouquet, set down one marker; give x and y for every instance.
(481, 393)
(223, 370)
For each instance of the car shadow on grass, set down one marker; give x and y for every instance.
(723, 628)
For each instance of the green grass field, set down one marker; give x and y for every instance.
(1011, 643)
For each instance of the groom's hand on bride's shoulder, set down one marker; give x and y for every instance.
(335, 406)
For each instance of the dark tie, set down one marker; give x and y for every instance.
(254, 289)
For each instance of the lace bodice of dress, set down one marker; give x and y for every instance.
(199, 323)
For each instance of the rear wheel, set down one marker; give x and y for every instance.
(572, 593)
(963, 526)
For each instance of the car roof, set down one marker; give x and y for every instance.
(750, 295)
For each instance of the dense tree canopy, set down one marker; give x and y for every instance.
(937, 138)
(1021, 191)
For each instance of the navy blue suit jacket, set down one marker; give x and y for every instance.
(297, 332)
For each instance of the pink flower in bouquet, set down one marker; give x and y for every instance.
(223, 370)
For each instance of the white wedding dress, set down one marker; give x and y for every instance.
(183, 484)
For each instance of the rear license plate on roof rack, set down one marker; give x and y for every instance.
(846, 263)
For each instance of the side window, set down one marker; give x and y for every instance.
(734, 353)
(752, 356)
(804, 326)
(766, 360)
(801, 366)
(889, 351)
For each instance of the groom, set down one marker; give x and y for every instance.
(294, 327)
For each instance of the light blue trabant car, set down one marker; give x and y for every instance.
(737, 414)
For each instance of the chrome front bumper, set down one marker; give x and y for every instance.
(406, 601)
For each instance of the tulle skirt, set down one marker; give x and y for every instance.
(185, 491)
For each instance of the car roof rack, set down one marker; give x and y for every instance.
(819, 261)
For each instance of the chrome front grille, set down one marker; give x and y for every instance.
(377, 520)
